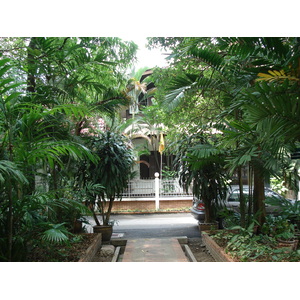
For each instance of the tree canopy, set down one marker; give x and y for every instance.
(246, 88)
(51, 89)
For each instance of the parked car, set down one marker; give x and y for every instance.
(232, 203)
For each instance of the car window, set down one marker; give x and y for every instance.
(235, 196)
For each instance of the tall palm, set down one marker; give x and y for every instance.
(236, 64)
(29, 142)
(67, 80)
(88, 71)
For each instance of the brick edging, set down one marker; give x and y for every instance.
(214, 249)
(92, 249)
(148, 212)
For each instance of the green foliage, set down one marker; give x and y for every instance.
(167, 173)
(288, 210)
(278, 186)
(260, 117)
(55, 233)
(228, 218)
(113, 171)
(9, 170)
(243, 245)
(68, 82)
(201, 164)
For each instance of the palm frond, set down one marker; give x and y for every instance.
(202, 151)
(276, 105)
(52, 152)
(274, 48)
(213, 59)
(9, 169)
(177, 91)
(57, 233)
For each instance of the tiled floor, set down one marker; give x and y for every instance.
(154, 250)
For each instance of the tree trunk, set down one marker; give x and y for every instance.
(110, 205)
(10, 220)
(10, 202)
(208, 210)
(242, 198)
(95, 217)
(250, 198)
(31, 67)
(259, 209)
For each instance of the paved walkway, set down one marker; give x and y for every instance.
(154, 250)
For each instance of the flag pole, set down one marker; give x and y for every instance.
(161, 165)
(161, 148)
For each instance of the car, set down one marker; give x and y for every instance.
(232, 203)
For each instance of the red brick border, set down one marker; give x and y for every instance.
(124, 205)
(214, 249)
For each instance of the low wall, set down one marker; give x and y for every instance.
(214, 249)
(92, 249)
(149, 204)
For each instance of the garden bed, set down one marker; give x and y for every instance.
(84, 247)
(228, 246)
(215, 250)
(66, 252)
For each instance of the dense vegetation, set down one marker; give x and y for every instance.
(52, 93)
(226, 104)
(239, 100)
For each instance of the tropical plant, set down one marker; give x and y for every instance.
(252, 78)
(202, 165)
(67, 80)
(279, 227)
(247, 246)
(111, 173)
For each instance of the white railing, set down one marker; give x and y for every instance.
(140, 188)
(146, 188)
(153, 188)
(172, 187)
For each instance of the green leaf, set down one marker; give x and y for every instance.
(12, 96)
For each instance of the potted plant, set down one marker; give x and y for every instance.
(289, 209)
(110, 176)
(284, 232)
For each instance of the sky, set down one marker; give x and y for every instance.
(146, 58)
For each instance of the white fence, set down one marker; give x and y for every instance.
(140, 188)
(155, 189)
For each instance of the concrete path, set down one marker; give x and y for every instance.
(154, 250)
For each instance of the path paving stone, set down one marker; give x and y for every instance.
(154, 250)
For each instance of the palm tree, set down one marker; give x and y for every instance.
(235, 64)
(67, 79)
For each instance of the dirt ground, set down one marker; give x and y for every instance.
(199, 250)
